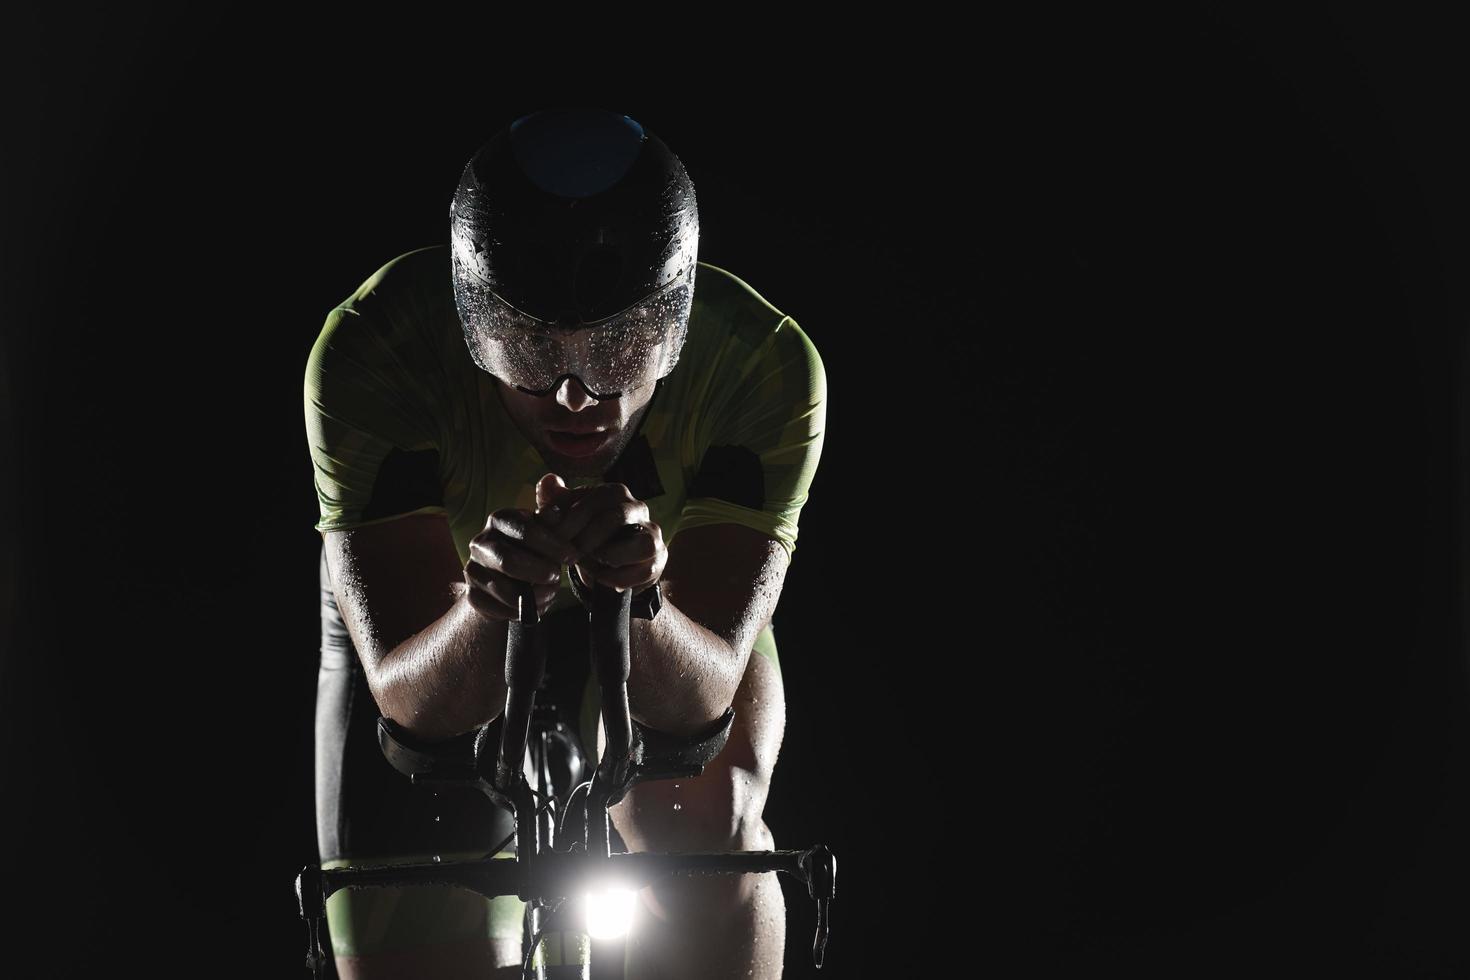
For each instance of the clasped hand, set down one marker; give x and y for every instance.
(603, 531)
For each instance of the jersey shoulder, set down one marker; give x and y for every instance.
(727, 308)
(399, 321)
(383, 362)
(376, 394)
(736, 332)
(749, 410)
(408, 292)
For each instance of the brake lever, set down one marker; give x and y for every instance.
(820, 867)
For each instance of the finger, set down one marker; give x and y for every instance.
(506, 593)
(482, 594)
(634, 544)
(525, 526)
(514, 560)
(549, 489)
(594, 572)
(637, 576)
(488, 606)
(608, 526)
(509, 609)
(553, 514)
(597, 500)
(530, 531)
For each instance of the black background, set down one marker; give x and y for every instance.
(1125, 625)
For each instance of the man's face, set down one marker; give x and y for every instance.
(553, 423)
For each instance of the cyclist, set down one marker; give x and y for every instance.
(564, 383)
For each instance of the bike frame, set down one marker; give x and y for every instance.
(553, 866)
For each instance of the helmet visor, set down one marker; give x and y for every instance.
(622, 352)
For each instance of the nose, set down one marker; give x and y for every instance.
(572, 395)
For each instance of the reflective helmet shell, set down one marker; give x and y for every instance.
(568, 219)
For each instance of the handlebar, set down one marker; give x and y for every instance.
(546, 870)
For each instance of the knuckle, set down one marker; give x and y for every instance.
(510, 522)
(491, 554)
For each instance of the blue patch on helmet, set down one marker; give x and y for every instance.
(575, 152)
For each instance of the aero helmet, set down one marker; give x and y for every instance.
(574, 235)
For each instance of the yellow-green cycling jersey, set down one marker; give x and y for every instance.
(400, 420)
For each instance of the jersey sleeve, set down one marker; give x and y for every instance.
(373, 443)
(765, 441)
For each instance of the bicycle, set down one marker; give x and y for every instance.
(546, 873)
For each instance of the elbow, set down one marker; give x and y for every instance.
(720, 697)
(740, 667)
(386, 695)
(396, 699)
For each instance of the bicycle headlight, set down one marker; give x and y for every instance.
(610, 911)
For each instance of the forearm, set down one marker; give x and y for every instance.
(446, 679)
(682, 675)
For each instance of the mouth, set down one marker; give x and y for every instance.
(584, 443)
